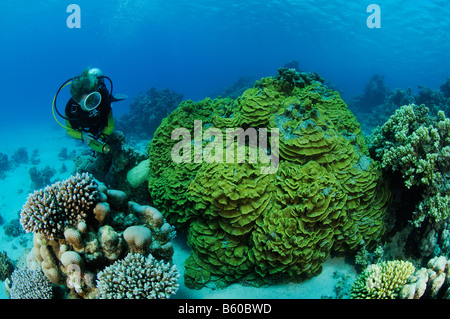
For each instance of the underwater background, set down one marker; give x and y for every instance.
(174, 51)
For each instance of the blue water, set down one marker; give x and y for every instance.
(199, 47)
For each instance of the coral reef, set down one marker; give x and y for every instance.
(244, 224)
(371, 116)
(5, 165)
(80, 227)
(41, 177)
(383, 280)
(113, 168)
(6, 266)
(237, 88)
(29, 284)
(375, 93)
(414, 143)
(50, 210)
(20, 156)
(445, 88)
(413, 147)
(138, 277)
(147, 111)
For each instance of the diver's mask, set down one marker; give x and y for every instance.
(91, 101)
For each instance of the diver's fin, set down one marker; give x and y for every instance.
(118, 97)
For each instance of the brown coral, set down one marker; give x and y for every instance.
(138, 238)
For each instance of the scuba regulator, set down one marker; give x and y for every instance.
(98, 144)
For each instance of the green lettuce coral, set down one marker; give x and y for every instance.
(245, 221)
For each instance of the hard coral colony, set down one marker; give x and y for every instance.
(330, 193)
(85, 233)
(327, 194)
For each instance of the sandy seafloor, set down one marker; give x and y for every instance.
(49, 140)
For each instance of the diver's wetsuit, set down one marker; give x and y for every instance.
(99, 120)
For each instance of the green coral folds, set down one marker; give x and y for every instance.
(242, 224)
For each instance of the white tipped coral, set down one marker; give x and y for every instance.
(48, 211)
(138, 277)
(29, 284)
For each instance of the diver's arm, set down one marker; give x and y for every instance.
(72, 132)
(110, 127)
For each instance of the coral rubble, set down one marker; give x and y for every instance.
(244, 225)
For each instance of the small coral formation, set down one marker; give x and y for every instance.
(50, 210)
(6, 266)
(29, 284)
(375, 93)
(243, 224)
(432, 281)
(80, 227)
(383, 280)
(41, 177)
(147, 111)
(5, 165)
(138, 277)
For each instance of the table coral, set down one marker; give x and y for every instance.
(243, 224)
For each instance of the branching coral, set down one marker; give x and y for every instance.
(50, 210)
(29, 284)
(6, 266)
(417, 145)
(138, 277)
(382, 280)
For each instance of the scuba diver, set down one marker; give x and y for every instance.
(88, 113)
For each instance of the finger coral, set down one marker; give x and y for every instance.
(48, 211)
(414, 143)
(245, 222)
(383, 280)
(138, 277)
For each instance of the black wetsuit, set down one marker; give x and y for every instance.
(94, 121)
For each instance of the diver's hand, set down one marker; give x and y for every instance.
(87, 137)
